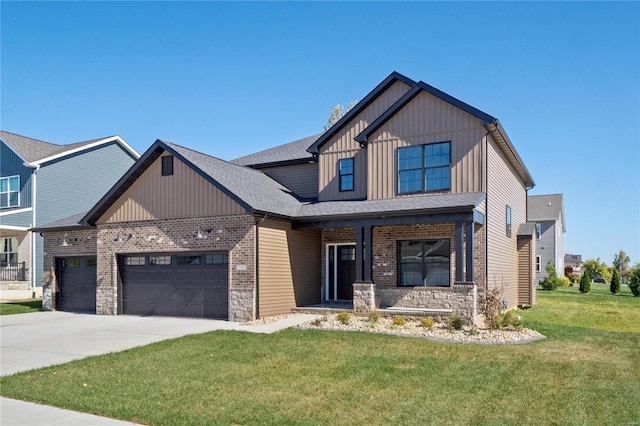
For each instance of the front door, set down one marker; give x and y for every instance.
(341, 272)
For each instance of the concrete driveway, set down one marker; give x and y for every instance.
(41, 339)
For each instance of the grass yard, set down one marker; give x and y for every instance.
(586, 372)
(22, 307)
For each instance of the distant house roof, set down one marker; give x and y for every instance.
(68, 223)
(288, 153)
(35, 152)
(546, 207)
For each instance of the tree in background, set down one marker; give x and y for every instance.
(585, 283)
(621, 263)
(597, 269)
(337, 113)
(634, 281)
(615, 283)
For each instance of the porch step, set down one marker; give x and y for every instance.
(322, 310)
(424, 310)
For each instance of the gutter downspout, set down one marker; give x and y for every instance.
(33, 234)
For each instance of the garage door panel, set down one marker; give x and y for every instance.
(185, 287)
(76, 279)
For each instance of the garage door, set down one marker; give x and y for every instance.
(76, 283)
(185, 284)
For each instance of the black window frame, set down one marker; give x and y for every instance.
(423, 262)
(342, 175)
(423, 169)
(167, 165)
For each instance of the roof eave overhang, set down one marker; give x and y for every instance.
(117, 139)
(62, 228)
(500, 136)
(282, 163)
(366, 101)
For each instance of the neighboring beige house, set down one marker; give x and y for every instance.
(573, 265)
(414, 200)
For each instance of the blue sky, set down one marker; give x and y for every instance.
(229, 79)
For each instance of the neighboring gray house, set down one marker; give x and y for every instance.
(41, 182)
(547, 212)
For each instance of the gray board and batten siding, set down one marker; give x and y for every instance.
(75, 183)
(302, 179)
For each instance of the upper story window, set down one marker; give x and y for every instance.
(9, 191)
(8, 251)
(508, 221)
(538, 231)
(424, 168)
(167, 165)
(345, 172)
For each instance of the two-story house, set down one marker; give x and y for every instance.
(41, 182)
(413, 200)
(547, 213)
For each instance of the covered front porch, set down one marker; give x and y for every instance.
(427, 264)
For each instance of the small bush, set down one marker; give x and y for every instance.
(512, 319)
(399, 321)
(585, 283)
(454, 321)
(426, 323)
(344, 317)
(634, 282)
(551, 281)
(374, 317)
(615, 283)
(318, 321)
(490, 305)
(563, 282)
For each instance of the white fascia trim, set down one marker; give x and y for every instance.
(14, 228)
(10, 212)
(14, 151)
(117, 139)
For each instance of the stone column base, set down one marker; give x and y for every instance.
(364, 297)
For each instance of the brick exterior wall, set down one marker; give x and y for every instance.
(81, 243)
(235, 234)
(459, 298)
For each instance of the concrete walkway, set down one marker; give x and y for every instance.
(42, 339)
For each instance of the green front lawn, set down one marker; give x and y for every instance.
(586, 372)
(22, 307)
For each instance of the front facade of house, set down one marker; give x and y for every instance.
(413, 200)
(547, 212)
(41, 182)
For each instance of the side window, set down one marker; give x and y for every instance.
(508, 221)
(10, 191)
(167, 165)
(537, 263)
(345, 172)
(538, 231)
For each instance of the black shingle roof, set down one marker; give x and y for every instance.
(67, 223)
(282, 154)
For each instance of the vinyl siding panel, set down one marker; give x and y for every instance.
(503, 188)
(526, 265)
(183, 194)
(288, 267)
(427, 119)
(11, 165)
(546, 248)
(342, 145)
(74, 184)
(16, 219)
(302, 179)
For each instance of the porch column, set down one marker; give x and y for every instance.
(368, 253)
(470, 254)
(358, 254)
(459, 252)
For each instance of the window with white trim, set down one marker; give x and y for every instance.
(537, 263)
(508, 221)
(9, 191)
(538, 231)
(8, 251)
(424, 168)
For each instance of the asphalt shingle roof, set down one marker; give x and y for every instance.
(296, 150)
(527, 229)
(252, 187)
(33, 149)
(68, 222)
(544, 207)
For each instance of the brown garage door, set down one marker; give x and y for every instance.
(185, 284)
(76, 283)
